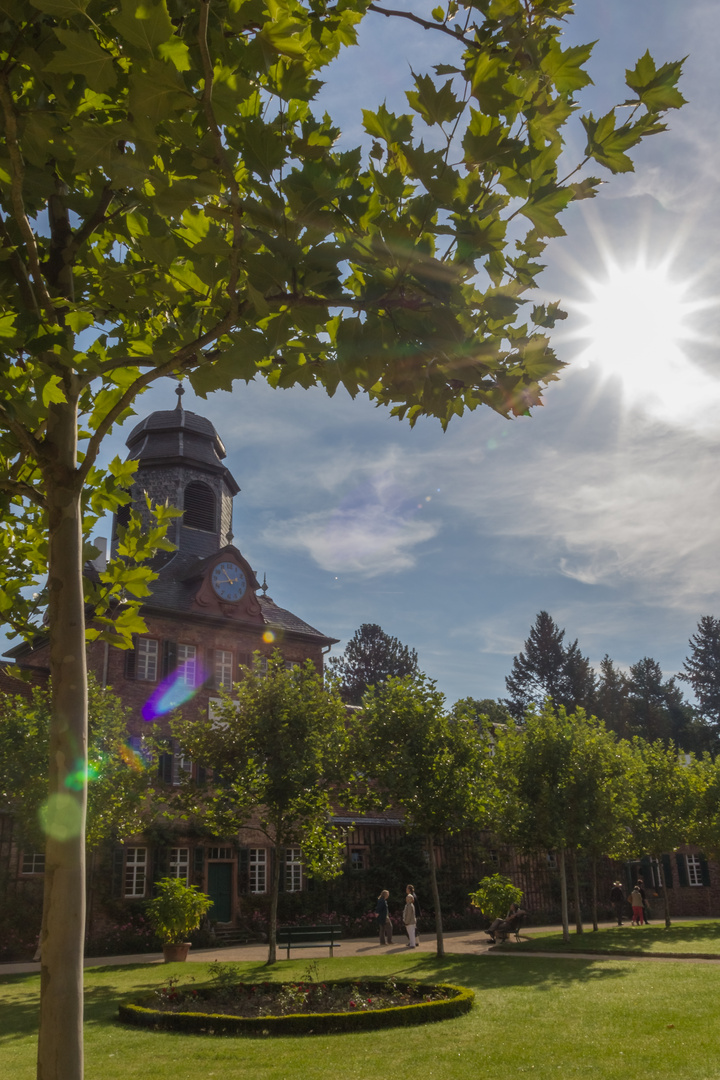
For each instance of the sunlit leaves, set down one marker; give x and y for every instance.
(656, 87)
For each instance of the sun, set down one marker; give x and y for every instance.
(638, 322)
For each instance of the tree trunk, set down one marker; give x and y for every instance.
(275, 889)
(576, 894)
(666, 898)
(60, 1046)
(435, 896)
(563, 895)
(594, 893)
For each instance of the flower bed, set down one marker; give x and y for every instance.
(302, 1008)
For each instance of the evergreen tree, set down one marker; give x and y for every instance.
(549, 669)
(656, 707)
(611, 698)
(371, 656)
(702, 668)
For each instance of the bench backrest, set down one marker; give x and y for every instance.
(289, 934)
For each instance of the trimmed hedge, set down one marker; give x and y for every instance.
(461, 1001)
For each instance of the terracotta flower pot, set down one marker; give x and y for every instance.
(174, 953)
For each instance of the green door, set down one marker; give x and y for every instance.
(220, 891)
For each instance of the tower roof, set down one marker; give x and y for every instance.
(175, 435)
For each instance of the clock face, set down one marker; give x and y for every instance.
(228, 581)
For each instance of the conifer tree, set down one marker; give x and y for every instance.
(371, 656)
(702, 668)
(549, 669)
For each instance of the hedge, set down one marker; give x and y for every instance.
(141, 1013)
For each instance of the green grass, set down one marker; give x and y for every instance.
(536, 1016)
(680, 938)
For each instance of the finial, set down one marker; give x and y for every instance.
(179, 393)
(229, 536)
(264, 585)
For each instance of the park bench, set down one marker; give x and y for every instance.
(309, 937)
(508, 927)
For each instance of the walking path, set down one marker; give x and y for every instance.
(456, 941)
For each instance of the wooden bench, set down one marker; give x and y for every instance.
(507, 927)
(309, 937)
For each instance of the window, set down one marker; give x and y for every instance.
(199, 512)
(293, 870)
(223, 669)
(180, 863)
(493, 857)
(146, 659)
(552, 860)
(258, 870)
(694, 870)
(187, 664)
(219, 853)
(135, 871)
(357, 859)
(33, 862)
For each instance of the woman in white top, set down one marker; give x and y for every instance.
(409, 920)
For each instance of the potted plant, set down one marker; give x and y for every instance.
(173, 913)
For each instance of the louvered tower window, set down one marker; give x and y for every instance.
(199, 507)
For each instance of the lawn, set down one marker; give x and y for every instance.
(688, 938)
(545, 1017)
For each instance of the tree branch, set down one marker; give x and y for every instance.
(27, 441)
(25, 491)
(96, 218)
(19, 269)
(17, 169)
(425, 23)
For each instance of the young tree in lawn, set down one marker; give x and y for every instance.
(702, 669)
(277, 750)
(370, 657)
(533, 767)
(663, 790)
(549, 669)
(413, 757)
(169, 204)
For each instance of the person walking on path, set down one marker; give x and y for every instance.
(617, 899)
(384, 923)
(409, 920)
(636, 900)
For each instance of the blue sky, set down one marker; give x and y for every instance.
(602, 507)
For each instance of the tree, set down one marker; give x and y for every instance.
(664, 793)
(549, 669)
(415, 758)
(702, 668)
(277, 750)
(371, 656)
(656, 707)
(169, 204)
(611, 698)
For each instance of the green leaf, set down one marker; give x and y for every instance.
(544, 211)
(145, 24)
(84, 56)
(438, 14)
(387, 126)
(565, 67)
(656, 89)
(61, 9)
(435, 106)
(52, 392)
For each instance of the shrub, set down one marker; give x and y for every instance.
(494, 895)
(177, 910)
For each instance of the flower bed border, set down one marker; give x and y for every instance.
(140, 1013)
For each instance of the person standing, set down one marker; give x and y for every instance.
(409, 920)
(411, 890)
(617, 899)
(646, 910)
(636, 901)
(383, 914)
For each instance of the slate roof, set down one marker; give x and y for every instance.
(173, 436)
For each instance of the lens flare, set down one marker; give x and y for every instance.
(268, 637)
(75, 781)
(174, 691)
(60, 816)
(132, 758)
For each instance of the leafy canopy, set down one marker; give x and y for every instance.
(171, 203)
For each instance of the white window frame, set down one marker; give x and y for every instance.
(135, 871)
(180, 863)
(33, 862)
(219, 854)
(223, 669)
(357, 863)
(694, 869)
(257, 870)
(293, 869)
(187, 664)
(146, 659)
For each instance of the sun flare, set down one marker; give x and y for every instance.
(638, 325)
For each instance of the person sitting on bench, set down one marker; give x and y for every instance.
(508, 924)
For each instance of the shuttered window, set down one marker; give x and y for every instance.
(199, 507)
(223, 669)
(135, 871)
(258, 870)
(146, 659)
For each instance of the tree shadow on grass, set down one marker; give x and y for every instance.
(493, 973)
(701, 937)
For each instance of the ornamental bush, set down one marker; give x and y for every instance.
(177, 910)
(494, 895)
